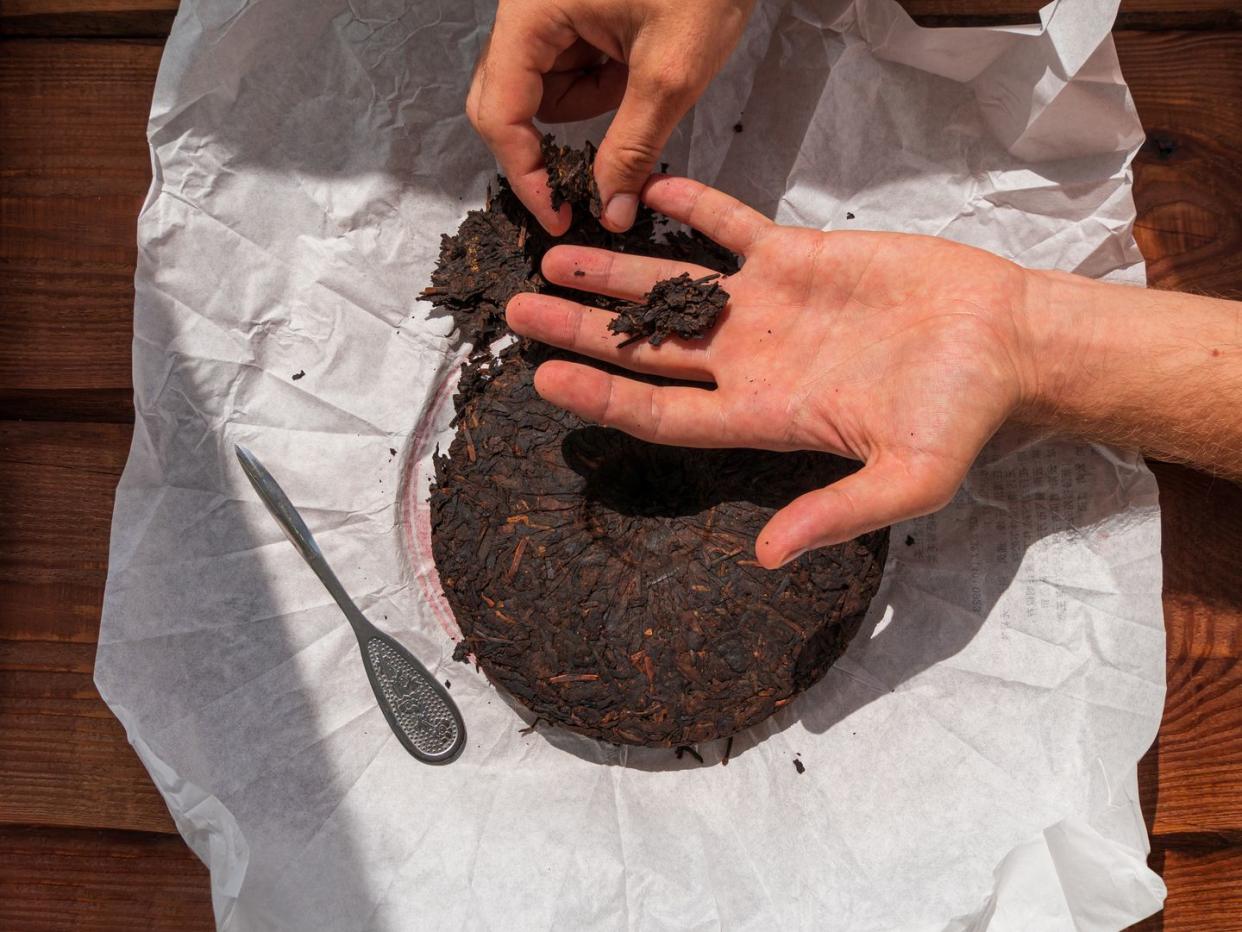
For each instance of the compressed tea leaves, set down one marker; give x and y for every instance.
(482, 266)
(571, 179)
(609, 584)
(680, 306)
(606, 583)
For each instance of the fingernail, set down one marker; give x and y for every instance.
(621, 210)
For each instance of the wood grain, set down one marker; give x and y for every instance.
(1134, 14)
(1188, 177)
(64, 759)
(73, 172)
(1208, 885)
(1193, 775)
(1209, 889)
(100, 881)
(87, 17)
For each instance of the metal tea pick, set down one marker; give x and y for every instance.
(419, 710)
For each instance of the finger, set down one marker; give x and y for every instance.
(530, 184)
(506, 94)
(881, 493)
(572, 95)
(618, 274)
(679, 415)
(655, 99)
(713, 213)
(585, 330)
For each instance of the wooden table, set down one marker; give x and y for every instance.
(85, 841)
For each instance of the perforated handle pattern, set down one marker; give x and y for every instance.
(417, 709)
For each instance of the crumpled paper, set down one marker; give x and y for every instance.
(970, 763)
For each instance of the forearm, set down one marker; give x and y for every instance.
(1153, 370)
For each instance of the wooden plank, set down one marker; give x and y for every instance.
(1208, 885)
(1188, 178)
(64, 759)
(73, 172)
(87, 17)
(115, 405)
(1193, 775)
(1205, 890)
(98, 881)
(1134, 14)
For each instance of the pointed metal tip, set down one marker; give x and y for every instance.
(249, 463)
(247, 459)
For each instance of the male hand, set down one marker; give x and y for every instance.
(904, 352)
(564, 60)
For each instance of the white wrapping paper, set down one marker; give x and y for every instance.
(970, 763)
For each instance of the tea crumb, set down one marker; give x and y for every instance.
(297, 375)
(799, 766)
(682, 306)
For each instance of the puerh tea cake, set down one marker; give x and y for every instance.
(608, 584)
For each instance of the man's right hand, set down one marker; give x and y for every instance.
(565, 60)
(905, 352)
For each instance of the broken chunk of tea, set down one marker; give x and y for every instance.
(481, 266)
(683, 306)
(571, 175)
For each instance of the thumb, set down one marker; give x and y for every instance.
(651, 107)
(883, 492)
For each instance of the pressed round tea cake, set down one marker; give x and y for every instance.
(608, 584)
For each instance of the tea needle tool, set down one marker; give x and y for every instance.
(418, 708)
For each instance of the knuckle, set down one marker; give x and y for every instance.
(634, 155)
(655, 414)
(732, 221)
(607, 266)
(573, 327)
(608, 412)
(671, 81)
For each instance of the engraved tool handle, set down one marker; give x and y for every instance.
(419, 710)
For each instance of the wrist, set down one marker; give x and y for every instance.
(1058, 336)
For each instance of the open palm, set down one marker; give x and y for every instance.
(892, 349)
